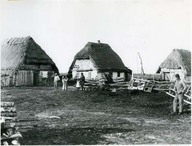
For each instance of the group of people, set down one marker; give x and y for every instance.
(64, 82)
(79, 84)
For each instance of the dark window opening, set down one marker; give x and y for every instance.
(118, 74)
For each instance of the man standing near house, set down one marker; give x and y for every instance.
(179, 89)
(82, 81)
(56, 79)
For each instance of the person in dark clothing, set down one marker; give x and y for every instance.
(82, 81)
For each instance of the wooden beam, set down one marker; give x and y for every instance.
(174, 97)
(187, 96)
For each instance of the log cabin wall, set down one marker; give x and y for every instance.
(24, 78)
(34, 78)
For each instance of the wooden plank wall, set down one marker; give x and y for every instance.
(24, 78)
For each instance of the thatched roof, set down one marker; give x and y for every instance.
(23, 51)
(177, 59)
(103, 57)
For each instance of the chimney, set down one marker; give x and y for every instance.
(99, 42)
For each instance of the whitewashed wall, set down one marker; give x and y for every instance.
(114, 76)
(172, 72)
(85, 64)
(86, 67)
(89, 75)
(122, 75)
(100, 76)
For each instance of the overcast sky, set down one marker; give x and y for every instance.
(62, 27)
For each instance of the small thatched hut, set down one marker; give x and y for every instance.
(178, 62)
(97, 60)
(24, 63)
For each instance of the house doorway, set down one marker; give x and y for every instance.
(36, 78)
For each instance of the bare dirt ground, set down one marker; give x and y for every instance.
(93, 117)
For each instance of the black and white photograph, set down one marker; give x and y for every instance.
(95, 72)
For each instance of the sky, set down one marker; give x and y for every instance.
(63, 27)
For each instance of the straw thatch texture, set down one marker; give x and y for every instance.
(102, 56)
(178, 59)
(16, 52)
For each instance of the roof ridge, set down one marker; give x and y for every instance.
(181, 50)
(97, 43)
(16, 40)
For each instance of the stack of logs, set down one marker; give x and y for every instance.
(9, 131)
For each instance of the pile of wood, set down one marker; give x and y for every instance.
(134, 84)
(8, 110)
(9, 131)
(105, 85)
(91, 85)
(162, 85)
(119, 79)
(149, 85)
(119, 86)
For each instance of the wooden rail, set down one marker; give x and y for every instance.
(174, 97)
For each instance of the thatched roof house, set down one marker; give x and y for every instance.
(97, 58)
(178, 61)
(23, 62)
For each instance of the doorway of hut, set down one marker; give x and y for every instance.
(36, 78)
(126, 76)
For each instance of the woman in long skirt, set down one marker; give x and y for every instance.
(78, 84)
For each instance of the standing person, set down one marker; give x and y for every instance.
(82, 81)
(64, 81)
(179, 89)
(56, 79)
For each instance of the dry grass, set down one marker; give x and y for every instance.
(91, 117)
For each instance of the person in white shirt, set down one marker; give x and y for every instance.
(56, 79)
(64, 81)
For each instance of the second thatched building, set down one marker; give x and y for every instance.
(96, 60)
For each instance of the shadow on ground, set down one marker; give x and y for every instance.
(73, 136)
